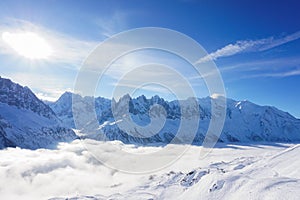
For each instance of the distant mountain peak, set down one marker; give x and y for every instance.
(245, 121)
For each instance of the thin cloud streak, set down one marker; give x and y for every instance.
(294, 72)
(111, 25)
(248, 46)
(278, 63)
(279, 67)
(278, 42)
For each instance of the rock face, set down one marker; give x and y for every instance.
(244, 121)
(26, 122)
(13, 94)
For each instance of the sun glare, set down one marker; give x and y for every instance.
(28, 44)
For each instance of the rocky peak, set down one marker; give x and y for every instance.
(14, 94)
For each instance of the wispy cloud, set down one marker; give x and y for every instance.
(113, 24)
(282, 74)
(281, 41)
(271, 67)
(276, 68)
(66, 49)
(261, 65)
(249, 46)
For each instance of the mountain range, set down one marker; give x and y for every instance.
(27, 122)
(244, 121)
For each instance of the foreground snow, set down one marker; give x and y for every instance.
(229, 172)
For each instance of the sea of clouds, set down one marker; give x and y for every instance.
(68, 171)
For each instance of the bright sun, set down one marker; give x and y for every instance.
(28, 44)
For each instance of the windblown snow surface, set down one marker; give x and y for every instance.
(235, 171)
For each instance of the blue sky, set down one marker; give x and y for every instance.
(255, 44)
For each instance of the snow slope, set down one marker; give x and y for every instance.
(27, 122)
(244, 122)
(240, 171)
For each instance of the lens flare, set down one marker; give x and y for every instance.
(28, 44)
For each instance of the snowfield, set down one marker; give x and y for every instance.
(236, 171)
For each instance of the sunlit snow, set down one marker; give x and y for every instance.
(230, 172)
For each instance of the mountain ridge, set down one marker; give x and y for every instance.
(27, 122)
(245, 121)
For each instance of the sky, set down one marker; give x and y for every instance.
(254, 44)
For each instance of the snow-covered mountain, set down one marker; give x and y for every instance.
(251, 172)
(244, 121)
(25, 121)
